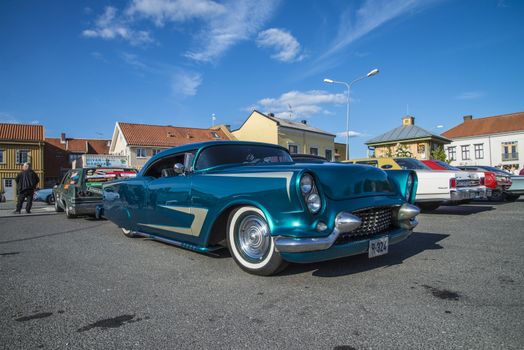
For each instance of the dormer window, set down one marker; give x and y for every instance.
(214, 134)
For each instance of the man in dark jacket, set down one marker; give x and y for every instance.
(26, 183)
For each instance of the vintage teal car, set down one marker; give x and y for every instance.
(267, 209)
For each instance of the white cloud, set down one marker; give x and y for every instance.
(351, 133)
(161, 11)
(298, 104)
(369, 16)
(185, 83)
(287, 47)
(240, 21)
(470, 95)
(222, 25)
(109, 26)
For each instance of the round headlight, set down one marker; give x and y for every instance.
(306, 183)
(409, 187)
(313, 203)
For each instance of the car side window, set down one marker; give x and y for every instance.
(66, 177)
(165, 167)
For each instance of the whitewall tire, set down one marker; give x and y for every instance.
(250, 242)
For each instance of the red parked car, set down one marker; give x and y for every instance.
(497, 184)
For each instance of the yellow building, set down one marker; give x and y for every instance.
(297, 137)
(19, 144)
(408, 140)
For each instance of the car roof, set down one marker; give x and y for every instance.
(205, 144)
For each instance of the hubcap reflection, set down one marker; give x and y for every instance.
(253, 238)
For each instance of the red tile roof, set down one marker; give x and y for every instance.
(489, 125)
(166, 135)
(21, 132)
(89, 146)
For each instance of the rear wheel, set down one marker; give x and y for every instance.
(250, 242)
(129, 233)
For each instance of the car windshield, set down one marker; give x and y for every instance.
(446, 165)
(411, 164)
(496, 170)
(241, 154)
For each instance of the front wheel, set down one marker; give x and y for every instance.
(428, 206)
(50, 199)
(58, 208)
(69, 214)
(250, 242)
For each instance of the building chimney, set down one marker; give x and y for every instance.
(303, 121)
(62, 138)
(408, 120)
(228, 127)
(467, 117)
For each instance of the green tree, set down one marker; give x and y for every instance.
(439, 154)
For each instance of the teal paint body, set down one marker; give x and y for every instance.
(136, 203)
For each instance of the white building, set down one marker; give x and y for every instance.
(497, 140)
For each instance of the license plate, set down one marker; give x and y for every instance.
(378, 246)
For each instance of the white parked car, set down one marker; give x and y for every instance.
(434, 187)
(443, 187)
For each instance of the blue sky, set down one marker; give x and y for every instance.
(79, 66)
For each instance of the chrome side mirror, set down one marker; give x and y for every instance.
(179, 168)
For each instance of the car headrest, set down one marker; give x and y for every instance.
(168, 172)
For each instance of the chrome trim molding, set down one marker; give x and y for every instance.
(407, 216)
(344, 222)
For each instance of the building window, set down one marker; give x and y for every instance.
(509, 151)
(2, 156)
(293, 149)
(215, 135)
(452, 153)
(479, 151)
(156, 151)
(22, 156)
(465, 152)
(313, 151)
(140, 152)
(329, 155)
(74, 156)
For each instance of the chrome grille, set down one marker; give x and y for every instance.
(374, 221)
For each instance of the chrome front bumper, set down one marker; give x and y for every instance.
(465, 193)
(344, 222)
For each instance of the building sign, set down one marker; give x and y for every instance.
(100, 160)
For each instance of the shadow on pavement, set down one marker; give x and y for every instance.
(51, 234)
(460, 209)
(415, 244)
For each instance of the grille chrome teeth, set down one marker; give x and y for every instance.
(374, 221)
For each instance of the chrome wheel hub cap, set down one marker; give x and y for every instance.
(254, 240)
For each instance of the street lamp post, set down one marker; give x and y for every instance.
(348, 86)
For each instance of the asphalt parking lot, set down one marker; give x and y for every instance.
(457, 282)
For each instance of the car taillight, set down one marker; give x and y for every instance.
(453, 183)
(490, 180)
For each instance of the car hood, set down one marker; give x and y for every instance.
(337, 181)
